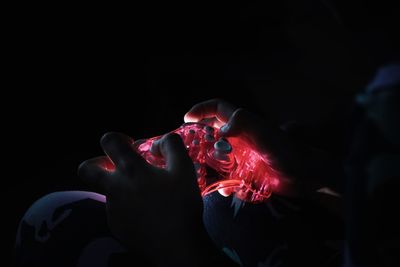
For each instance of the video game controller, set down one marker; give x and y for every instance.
(220, 163)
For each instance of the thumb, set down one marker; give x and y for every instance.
(241, 121)
(257, 132)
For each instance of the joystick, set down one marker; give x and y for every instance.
(220, 163)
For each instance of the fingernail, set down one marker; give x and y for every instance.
(224, 129)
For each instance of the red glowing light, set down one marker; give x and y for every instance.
(107, 165)
(227, 165)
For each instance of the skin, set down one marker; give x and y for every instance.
(159, 211)
(300, 166)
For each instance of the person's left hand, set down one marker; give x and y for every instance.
(156, 211)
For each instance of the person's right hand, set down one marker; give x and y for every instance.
(302, 168)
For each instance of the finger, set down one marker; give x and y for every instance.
(254, 129)
(97, 173)
(175, 154)
(119, 147)
(241, 120)
(218, 108)
(226, 192)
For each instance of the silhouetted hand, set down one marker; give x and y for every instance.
(303, 168)
(157, 212)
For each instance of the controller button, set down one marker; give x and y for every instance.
(195, 142)
(191, 131)
(209, 137)
(209, 129)
(223, 146)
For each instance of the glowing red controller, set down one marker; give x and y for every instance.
(221, 164)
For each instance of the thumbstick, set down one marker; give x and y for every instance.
(221, 149)
(223, 146)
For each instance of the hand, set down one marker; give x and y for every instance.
(302, 168)
(155, 211)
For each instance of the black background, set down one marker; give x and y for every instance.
(78, 71)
